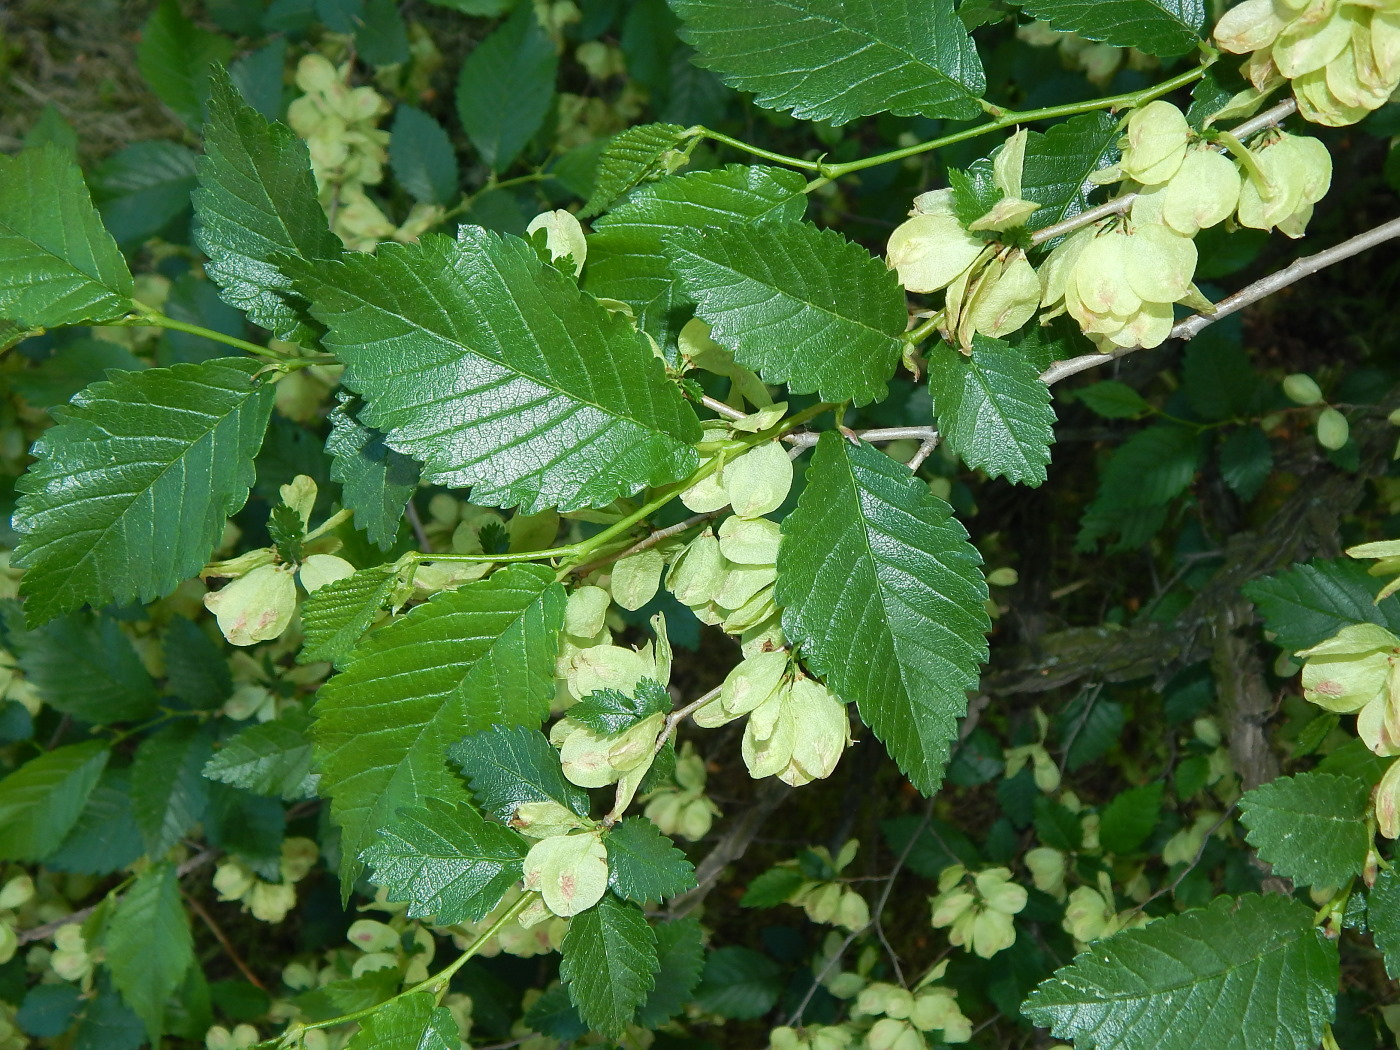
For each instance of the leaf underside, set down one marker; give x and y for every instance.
(1158, 27)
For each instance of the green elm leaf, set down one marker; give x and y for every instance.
(148, 945)
(410, 1022)
(1158, 27)
(337, 614)
(1112, 400)
(196, 666)
(884, 595)
(802, 306)
(609, 711)
(1383, 918)
(681, 955)
(422, 157)
(1311, 827)
(1255, 966)
(143, 188)
(168, 791)
(643, 864)
(176, 58)
(74, 365)
(772, 887)
(739, 983)
(257, 199)
(1145, 473)
(478, 656)
(1059, 162)
(992, 409)
(493, 369)
(376, 482)
(42, 799)
(131, 489)
(1309, 603)
(835, 60)
(509, 765)
(609, 964)
(506, 88)
(58, 265)
(84, 666)
(105, 837)
(268, 758)
(626, 253)
(1246, 461)
(629, 159)
(446, 861)
(1126, 822)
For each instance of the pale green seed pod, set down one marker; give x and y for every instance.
(1250, 26)
(742, 582)
(256, 607)
(320, 569)
(636, 578)
(1160, 264)
(1007, 303)
(758, 481)
(1098, 281)
(542, 820)
(1307, 44)
(1346, 672)
(371, 936)
(1332, 429)
(753, 682)
(1201, 194)
(695, 576)
(822, 732)
(569, 871)
(929, 251)
(706, 495)
(1301, 389)
(749, 541)
(586, 611)
(563, 236)
(1156, 142)
(768, 739)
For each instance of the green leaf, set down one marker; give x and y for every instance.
(422, 157)
(1159, 27)
(148, 945)
(446, 861)
(643, 864)
(1254, 966)
(175, 56)
(495, 371)
(681, 956)
(74, 365)
(466, 659)
(376, 482)
(629, 159)
(1059, 162)
(507, 765)
(626, 253)
(1310, 827)
(336, 616)
(349, 995)
(143, 188)
(834, 61)
(992, 409)
(610, 711)
(1056, 826)
(882, 591)
(410, 1022)
(1113, 400)
(105, 838)
(1246, 461)
(168, 791)
(256, 200)
(1145, 473)
(268, 758)
(42, 799)
(196, 667)
(609, 963)
(771, 888)
(1310, 603)
(58, 265)
(131, 490)
(739, 983)
(1219, 379)
(1383, 917)
(802, 306)
(84, 666)
(1126, 822)
(506, 88)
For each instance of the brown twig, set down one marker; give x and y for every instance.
(222, 938)
(659, 536)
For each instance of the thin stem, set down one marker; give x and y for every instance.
(659, 536)
(777, 158)
(917, 335)
(719, 408)
(874, 436)
(148, 316)
(220, 936)
(668, 728)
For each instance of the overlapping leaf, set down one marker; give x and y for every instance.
(268, 758)
(506, 88)
(57, 264)
(132, 488)
(169, 794)
(1311, 827)
(802, 306)
(42, 799)
(491, 368)
(626, 257)
(84, 666)
(681, 955)
(256, 199)
(446, 861)
(1254, 966)
(1059, 162)
(836, 60)
(1308, 603)
(422, 157)
(148, 944)
(465, 660)
(643, 864)
(628, 160)
(609, 964)
(376, 482)
(993, 410)
(883, 593)
(1383, 917)
(1159, 27)
(143, 188)
(337, 615)
(1144, 475)
(410, 1022)
(507, 765)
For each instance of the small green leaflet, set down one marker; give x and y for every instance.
(348, 995)
(495, 371)
(643, 864)
(1246, 461)
(466, 659)
(1128, 820)
(105, 837)
(268, 758)
(1144, 475)
(1255, 966)
(42, 799)
(1308, 603)
(626, 254)
(84, 666)
(508, 765)
(1112, 400)
(884, 595)
(446, 861)
(168, 791)
(992, 409)
(802, 306)
(257, 198)
(1059, 162)
(130, 491)
(609, 964)
(506, 88)
(148, 945)
(1158, 27)
(58, 265)
(176, 56)
(196, 667)
(422, 157)
(1383, 917)
(629, 159)
(336, 616)
(410, 1022)
(1311, 827)
(376, 482)
(143, 188)
(772, 887)
(609, 711)
(681, 955)
(836, 60)
(739, 983)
